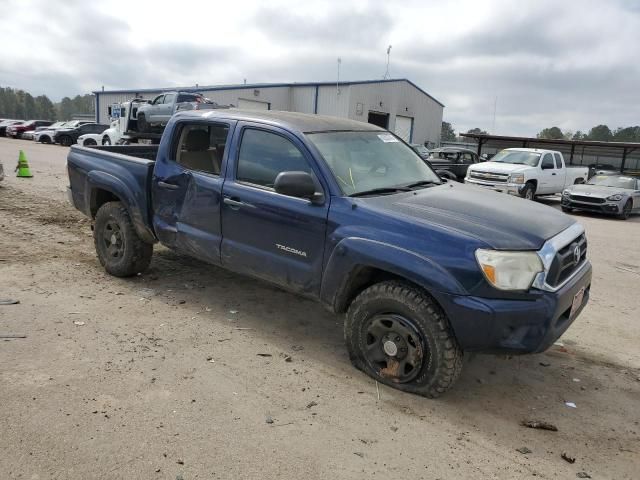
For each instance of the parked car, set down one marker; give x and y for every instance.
(68, 136)
(452, 162)
(345, 213)
(159, 111)
(6, 123)
(613, 194)
(46, 135)
(526, 172)
(18, 129)
(420, 150)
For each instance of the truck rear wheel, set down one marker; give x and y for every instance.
(120, 251)
(399, 336)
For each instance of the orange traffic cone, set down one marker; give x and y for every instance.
(23, 166)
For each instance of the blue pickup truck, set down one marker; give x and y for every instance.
(347, 214)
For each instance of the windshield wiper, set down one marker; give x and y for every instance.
(380, 191)
(422, 183)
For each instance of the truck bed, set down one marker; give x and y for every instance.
(123, 170)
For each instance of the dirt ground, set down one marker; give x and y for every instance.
(191, 372)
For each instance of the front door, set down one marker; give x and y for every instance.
(187, 190)
(548, 175)
(266, 234)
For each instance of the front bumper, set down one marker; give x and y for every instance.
(610, 207)
(504, 187)
(516, 326)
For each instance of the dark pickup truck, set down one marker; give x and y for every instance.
(347, 214)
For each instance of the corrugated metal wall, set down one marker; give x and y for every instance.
(354, 101)
(399, 98)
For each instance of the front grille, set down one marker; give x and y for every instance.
(489, 177)
(580, 198)
(566, 261)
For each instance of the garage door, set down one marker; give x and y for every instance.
(252, 104)
(403, 127)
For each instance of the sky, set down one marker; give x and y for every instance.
(568, 63)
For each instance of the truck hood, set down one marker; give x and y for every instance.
(597, 191)
(498, 167)
(502, 221)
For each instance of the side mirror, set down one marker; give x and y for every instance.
(297, 184)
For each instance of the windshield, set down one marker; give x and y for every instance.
(615, 181)
(363, 161)
(517, 157)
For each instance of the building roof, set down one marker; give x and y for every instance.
(301, 122)
(587, 143)
(241, 86)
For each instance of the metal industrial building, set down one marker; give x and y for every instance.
(396, 104)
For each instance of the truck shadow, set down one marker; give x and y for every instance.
(533, 384)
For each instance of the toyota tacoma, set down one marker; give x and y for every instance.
(348, 214)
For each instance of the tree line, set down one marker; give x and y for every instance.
(601, 133)
(21, 105)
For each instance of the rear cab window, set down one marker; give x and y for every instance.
(201, 147)
(558, 160)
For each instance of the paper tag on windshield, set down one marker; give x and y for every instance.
(387, 138)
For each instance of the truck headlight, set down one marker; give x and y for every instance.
(516, 178)
(617, 197)
(509, 270)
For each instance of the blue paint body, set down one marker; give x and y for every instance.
(428, 237)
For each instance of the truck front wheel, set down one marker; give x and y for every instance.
(399, 336)
(120, 251)
(529, 191)
(143, 126)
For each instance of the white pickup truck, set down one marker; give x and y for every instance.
(526, 172)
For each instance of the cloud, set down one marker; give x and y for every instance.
(571, 64)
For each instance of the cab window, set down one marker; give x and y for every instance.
(547, 162)
(263, 155)
(558, 160)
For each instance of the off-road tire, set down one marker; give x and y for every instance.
(136, 254)
(143, 126)
(626, 210)
(442, 362)
(528, 192)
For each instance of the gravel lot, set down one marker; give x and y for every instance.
(183, 372)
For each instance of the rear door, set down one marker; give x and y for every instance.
(561, 179)
(187, 189)
(266, 234)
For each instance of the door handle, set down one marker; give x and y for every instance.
(553, 174)
(170, 186)
(235, 204)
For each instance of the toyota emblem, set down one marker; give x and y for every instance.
(576, 254)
